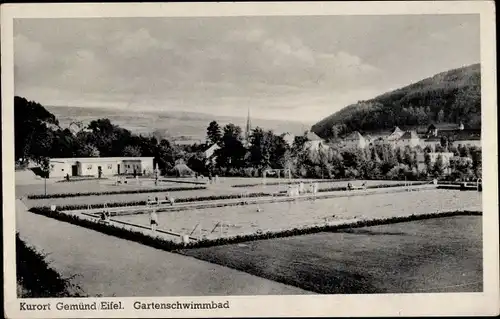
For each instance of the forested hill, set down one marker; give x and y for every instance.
(449, 97)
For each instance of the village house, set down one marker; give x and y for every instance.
(108, 166)
(210, 153)
(288, 138)
(186, 142)
(409, 138)
(434, 129)
(355, 140)
(314, 142)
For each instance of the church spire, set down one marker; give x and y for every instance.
(249, 127)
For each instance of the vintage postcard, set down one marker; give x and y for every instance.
(247, 159)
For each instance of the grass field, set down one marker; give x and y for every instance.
(280, 216)
(434, 255)
(88, 186)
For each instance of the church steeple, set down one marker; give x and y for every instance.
(248, 129)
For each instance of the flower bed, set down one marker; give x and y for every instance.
(135, 191)
(167, 245)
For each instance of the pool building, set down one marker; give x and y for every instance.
(109, 166)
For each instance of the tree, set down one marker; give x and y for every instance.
(87, 150)
(30, 121)
(132, 151)
(232, 152)
(427, 162)
(335, 132)
(440, 116)
(45, 167)
(214, 134)
(439, 166)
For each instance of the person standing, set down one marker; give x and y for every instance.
(153, 220)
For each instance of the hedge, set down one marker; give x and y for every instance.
(135, 191)
(81, 179)
(182, 182)
(344, 188)
(37, 278)
(333, 181)
(286, 183)
(160, 243)
(143, 202)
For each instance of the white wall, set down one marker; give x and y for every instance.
(147, 164)
(58, 169)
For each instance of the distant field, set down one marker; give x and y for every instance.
(434, 255)
(173, 123)
(237, 220)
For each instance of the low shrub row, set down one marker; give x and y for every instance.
(344, 188)
(459, 187)
(143, 202)
(160, 243)
(81, 179)
(182, 182)
(37, 278)
(127, 191)
(287, 183)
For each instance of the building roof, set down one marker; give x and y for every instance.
(396, 134)
(408, 135)
(311, 136)
(444, 126)
(183, 169)
(98, 159)
(397, 130)
(186, 142)
(354, 136)
(211, 150)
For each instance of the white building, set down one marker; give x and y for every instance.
(209, 153)
(314, 142)
(109, 166)
(409, 138)
(355, 140)
(289, 138)
(395, 135)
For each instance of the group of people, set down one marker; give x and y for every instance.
(156, 200)
(213, 179)
(350, 187)
(296, 190)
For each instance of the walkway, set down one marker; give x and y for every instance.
(109, 266)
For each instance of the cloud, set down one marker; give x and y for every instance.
(29, 53)
(275, 64)
(136, 43)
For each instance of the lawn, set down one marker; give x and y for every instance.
(237, 220)
(434, 255)
(88, 186)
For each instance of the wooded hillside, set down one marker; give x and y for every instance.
(449, 97)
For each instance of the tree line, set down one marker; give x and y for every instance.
(38, 136)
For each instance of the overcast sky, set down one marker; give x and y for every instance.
(297, 68)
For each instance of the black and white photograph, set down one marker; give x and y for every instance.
(247, 155)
